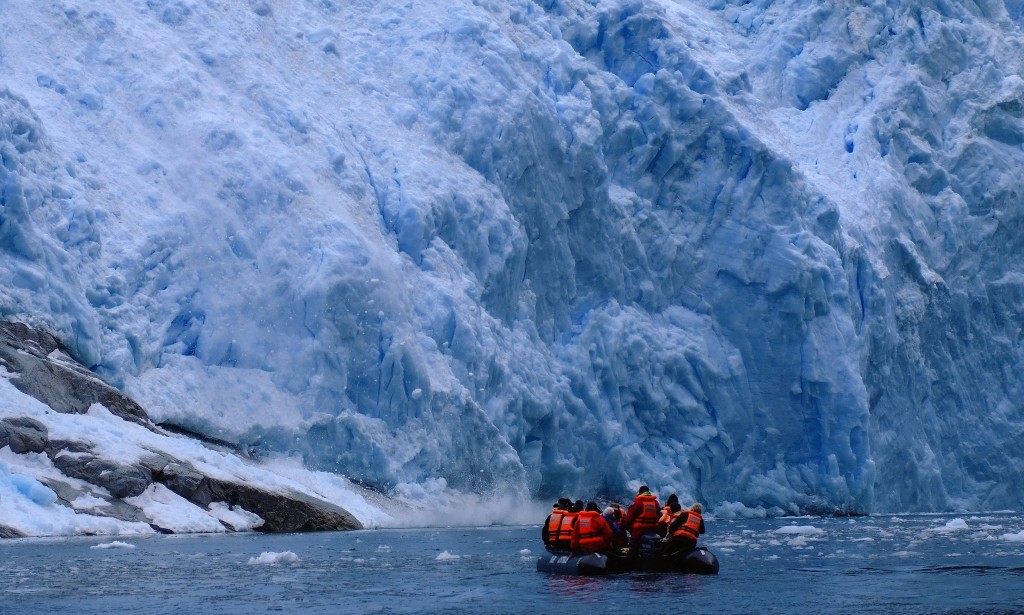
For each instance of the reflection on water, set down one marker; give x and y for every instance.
(926, 564)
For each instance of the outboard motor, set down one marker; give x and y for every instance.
(650, 546)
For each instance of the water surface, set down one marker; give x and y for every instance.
(894, 564)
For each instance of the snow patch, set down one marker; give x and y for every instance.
(235, 517)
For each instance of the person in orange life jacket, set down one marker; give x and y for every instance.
(667, 514)
(549, 532)
(591, 534)
(565, 529)
(642, 516)
(684, 530)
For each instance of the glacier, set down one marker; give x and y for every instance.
(766, 255)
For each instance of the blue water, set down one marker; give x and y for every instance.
(904, 564)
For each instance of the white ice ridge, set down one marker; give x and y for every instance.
(765, 255)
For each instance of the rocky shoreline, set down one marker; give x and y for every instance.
(113, 485)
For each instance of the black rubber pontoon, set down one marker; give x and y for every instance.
(697, 561)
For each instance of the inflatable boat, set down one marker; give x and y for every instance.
(697, 561)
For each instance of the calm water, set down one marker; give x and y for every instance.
(906, 564)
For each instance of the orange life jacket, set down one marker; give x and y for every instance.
(647, 519)
(587, 538)
(565, 530)
(666, 516)
(691, 527)
(554, 524)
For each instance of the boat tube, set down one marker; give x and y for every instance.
(697, 561)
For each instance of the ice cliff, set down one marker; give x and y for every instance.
(767, 255)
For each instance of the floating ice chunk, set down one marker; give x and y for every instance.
(952, 525)
(1018, 537)
(525, 552)
(445, 556)
(273, 557)
(804, 530)
(117, 544)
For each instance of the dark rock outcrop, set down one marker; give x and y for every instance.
(45, 371)
(281, 512)
(111, 507)
(9, 532)
(121, 480)
(48, 373)
(23, 434)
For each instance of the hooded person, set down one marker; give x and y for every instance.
(684, 530)
(567, 523)
(591, 533)
(642, 516)
(551, 530)
(667, 514)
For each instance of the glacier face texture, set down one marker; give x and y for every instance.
(766, 255)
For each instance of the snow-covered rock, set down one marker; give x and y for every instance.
(66, 472)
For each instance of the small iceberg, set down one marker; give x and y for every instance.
(270, 557)
(117, 544)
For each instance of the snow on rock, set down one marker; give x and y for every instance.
(168, 509)
(76, 468)
(761, 254)
(235, 518)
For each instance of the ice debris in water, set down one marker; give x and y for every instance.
(271, 557)
(806, 530)
(445, 556)
(1018, 537)
(117, 544)
(525, 552)
(951, 526)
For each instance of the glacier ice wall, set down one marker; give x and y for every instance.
(763, 254)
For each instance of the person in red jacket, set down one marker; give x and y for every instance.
(591, 534)
(684, 530)
(642, 516)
